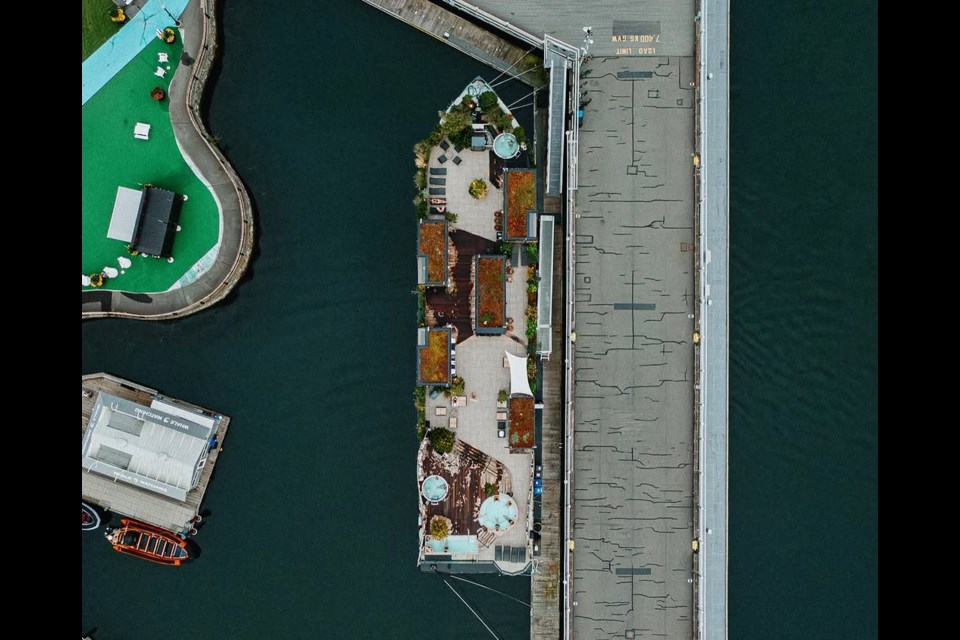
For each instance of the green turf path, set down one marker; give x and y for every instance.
(113, 158)
(97, 27)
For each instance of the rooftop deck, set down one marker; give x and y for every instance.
(128, 500)
(481, 456)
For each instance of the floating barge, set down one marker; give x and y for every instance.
(144, 455)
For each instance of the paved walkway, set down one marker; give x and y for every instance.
(115, 53)
(198, 31)
(714, 309)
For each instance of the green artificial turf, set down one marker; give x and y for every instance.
(111, 157)
(97, 27)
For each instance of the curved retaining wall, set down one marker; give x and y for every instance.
(198, 29)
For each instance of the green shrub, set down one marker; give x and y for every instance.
(421, 309)
(489, 489)
(487, 100)
(439, 528)
(441, 439)
(450, 216)
(436, 135)
(531, 328)
(457, 386)
(477, 189)
(504, 122)
(502, 395)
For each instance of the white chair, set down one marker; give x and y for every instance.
(141, 131)
(161, 72)
(163, 57)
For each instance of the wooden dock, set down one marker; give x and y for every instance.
(545, 585)
(124, 499)
(475, 41)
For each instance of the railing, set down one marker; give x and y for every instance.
(572, 141)
(489, 18)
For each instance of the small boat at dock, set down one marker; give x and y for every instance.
(89, 518)
(148, 542)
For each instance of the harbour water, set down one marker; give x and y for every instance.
(804, 321)
(312, 530)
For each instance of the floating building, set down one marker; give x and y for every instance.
(478, 465)
(146, 456)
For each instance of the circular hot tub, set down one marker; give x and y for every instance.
(498, 513)
(506, 146)
(434, 488)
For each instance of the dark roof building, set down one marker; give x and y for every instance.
(156, 222)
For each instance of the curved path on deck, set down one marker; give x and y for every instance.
(198, 31)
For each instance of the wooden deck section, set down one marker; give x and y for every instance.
(462, 504)
(457, 308)
(545, 583)
(126, 500)
(475, 41)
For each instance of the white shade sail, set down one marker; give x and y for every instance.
(518, 375)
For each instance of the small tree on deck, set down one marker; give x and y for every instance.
(441, 439)
(439, 528)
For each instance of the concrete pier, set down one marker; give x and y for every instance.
(479, 43)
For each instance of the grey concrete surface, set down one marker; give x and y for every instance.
(565, 19)
(634, 355)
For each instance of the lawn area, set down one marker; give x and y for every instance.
(97, 27)
(111, 157)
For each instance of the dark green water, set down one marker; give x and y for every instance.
(314, 524)
(804, 336)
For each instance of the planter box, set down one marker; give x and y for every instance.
(520, 205)
(491, 295)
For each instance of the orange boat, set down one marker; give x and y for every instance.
(150, 543)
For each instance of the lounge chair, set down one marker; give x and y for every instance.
(444, 145)
(163, 57)
(437, 191)
(141, 131)
(438, 171)
(438, 181)
(442, 159)
(457, 160)
(160, 72)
